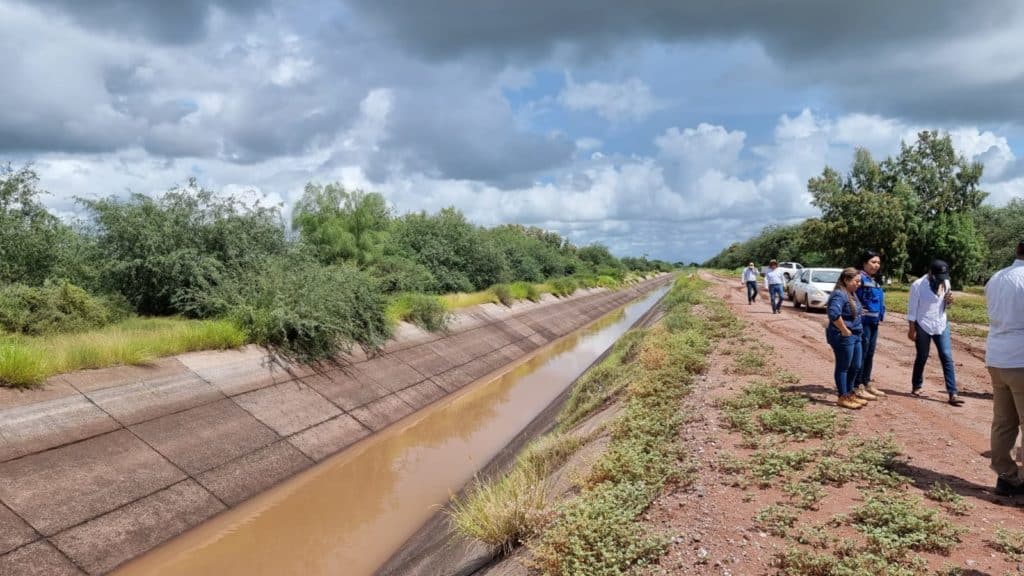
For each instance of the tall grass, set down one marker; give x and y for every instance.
(426, 311)
(27, 361)
(967, 308)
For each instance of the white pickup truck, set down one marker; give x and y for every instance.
(789, 270)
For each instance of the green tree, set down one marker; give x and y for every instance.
(159, 251)
(1000, 229)
(35, 245)
(342, 225)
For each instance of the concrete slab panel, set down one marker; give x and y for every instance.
(448, 349)
(389, 372)
(377, 415)
(407, 335)
(287, 408)
(41, 426)
(516, 326)
(424, 360)
(14, 531)
(89, 380)
(65, 486)
(330, 437)
(53, 388)
(141, 401)
(539, 340)
(239, 371)
(419, 395)
(347, 388)
(452, 380)
(205, 437)
(102, 544)
(243, 478)
(37, 559)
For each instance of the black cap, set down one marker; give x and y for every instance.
(939, 270)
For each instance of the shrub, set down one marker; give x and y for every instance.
(504, 294)
(53, 308)
(301, 309)
(426, 311)
(563, 286)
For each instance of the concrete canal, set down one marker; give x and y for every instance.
(350, 513)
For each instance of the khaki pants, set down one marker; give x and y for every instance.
(1007, 420)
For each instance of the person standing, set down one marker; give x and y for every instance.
(1004, 358)
(773, 282)
(750, 279)
(872, 297)
(930, 295)
(843, 334)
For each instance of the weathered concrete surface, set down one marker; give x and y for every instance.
(100, 465)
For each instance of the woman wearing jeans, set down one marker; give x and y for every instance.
(843, 334)
(873, 298)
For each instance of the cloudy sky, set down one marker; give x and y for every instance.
(668, 128)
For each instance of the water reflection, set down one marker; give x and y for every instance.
(348, 514)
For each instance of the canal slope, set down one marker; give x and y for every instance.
(103, 465)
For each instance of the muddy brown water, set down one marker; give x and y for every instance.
(350, 513)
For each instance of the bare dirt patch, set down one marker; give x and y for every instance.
(712, 521)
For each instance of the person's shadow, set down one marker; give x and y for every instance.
(924, 479)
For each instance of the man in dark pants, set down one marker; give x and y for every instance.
(930, 295)
(750, 279)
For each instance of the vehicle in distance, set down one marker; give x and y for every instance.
(812, 286)
(790, 270)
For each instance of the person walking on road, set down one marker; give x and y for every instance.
(750, 279)
(773, 282)
(1004, 357)
(873, 298)
(843, 334)
(930, 295)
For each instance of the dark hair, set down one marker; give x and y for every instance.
(865, 256)
(1020, 248)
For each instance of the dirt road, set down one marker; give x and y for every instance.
(714, 521)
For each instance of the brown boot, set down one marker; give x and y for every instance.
(858, 401)
(862, 393)
(848, 402)
(874, 391)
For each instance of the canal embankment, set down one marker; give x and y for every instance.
(100, 466)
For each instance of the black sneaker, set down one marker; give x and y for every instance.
(955, 400)
(1005, 488)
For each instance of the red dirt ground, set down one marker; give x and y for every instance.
(714, 527)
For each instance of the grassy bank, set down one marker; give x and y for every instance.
(26, 361)
(649, 372)
(968, 308)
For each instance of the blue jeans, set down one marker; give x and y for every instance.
(775, 292)
(944, 344)
(868, 339)
(848, 359)
(751, 291)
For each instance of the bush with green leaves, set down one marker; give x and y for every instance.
(396, 274)
(562, 287)
(54, 308)
(300, 308)
(156, 251)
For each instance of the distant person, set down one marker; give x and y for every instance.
(873, 298)
(843, 333)
(930, 295)
(750, 279)
(1004, 357)
(773, 282)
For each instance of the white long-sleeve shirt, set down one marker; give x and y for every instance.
(749, 274)
(926, 307)
(1004, 294)
(774, 277)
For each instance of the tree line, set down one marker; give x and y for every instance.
(923, 203)
(309, 285)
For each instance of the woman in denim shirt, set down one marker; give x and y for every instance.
(843, 334)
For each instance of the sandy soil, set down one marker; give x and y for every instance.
(714, 522)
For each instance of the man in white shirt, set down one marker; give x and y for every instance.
(1004, 357)
(750, 279)
(930, 295)
(773, 282)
